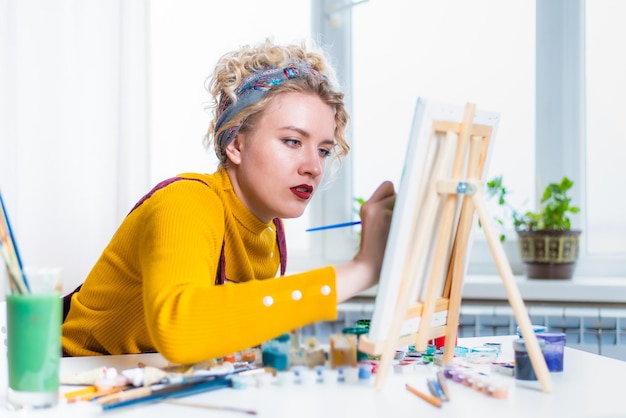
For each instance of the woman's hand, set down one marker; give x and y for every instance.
(364, 269)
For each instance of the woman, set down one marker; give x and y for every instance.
(157, 286)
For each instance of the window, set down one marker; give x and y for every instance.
(606, 134)
(553, 71)
(449, 51)
(556, 86)
(578, 86)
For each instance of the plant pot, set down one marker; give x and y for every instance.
(549, 254)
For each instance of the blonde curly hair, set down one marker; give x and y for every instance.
(234, 67)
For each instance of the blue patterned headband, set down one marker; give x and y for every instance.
(251, 90)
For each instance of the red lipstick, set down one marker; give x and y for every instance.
(303, 191)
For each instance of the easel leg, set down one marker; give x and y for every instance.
(443, 249)
(513, 294)
(454, 282)
(424, 227)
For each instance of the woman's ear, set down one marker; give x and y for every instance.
(233, 151)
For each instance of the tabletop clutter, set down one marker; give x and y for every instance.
(286, 360)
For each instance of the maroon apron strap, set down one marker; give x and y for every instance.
(282, 250)
(282, 245)
(221, 268)
(160, 186)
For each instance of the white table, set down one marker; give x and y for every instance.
(589, 386)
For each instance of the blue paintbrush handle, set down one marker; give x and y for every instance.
(173, 391)
(341, 225)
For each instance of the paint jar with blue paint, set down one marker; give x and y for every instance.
(275, 352)
(523, 366)
(536, 329)
(483, 354)
(460, 351)
(365, 370)
(554, 349)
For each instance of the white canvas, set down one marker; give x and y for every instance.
(425, 163)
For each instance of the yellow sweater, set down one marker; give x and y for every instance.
(153, 288)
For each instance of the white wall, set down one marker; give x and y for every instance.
(71, 161)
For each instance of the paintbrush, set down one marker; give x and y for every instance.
(441, 379)
(341, 225)
(10, 253)
(15, 276)
(207, 406)
(158, 393)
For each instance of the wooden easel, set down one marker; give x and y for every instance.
(463, 153)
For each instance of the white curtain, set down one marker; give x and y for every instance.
(73, 125)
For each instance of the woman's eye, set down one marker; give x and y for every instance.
(291, 142)
(325, 152)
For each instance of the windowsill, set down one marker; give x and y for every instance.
(578, 289)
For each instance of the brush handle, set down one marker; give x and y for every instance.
(172, 391)
(341, 225)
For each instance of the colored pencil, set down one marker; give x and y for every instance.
(430, 399)
(91, 393)
(341, 225)
(76, 394)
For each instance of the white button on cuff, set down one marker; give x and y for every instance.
(296, 295)
(325, 290)
(272, 254)
(268, 301)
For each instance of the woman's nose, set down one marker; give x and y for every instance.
(313, 164)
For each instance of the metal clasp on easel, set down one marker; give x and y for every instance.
(452, 186)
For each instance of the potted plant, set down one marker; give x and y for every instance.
(548, 246)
